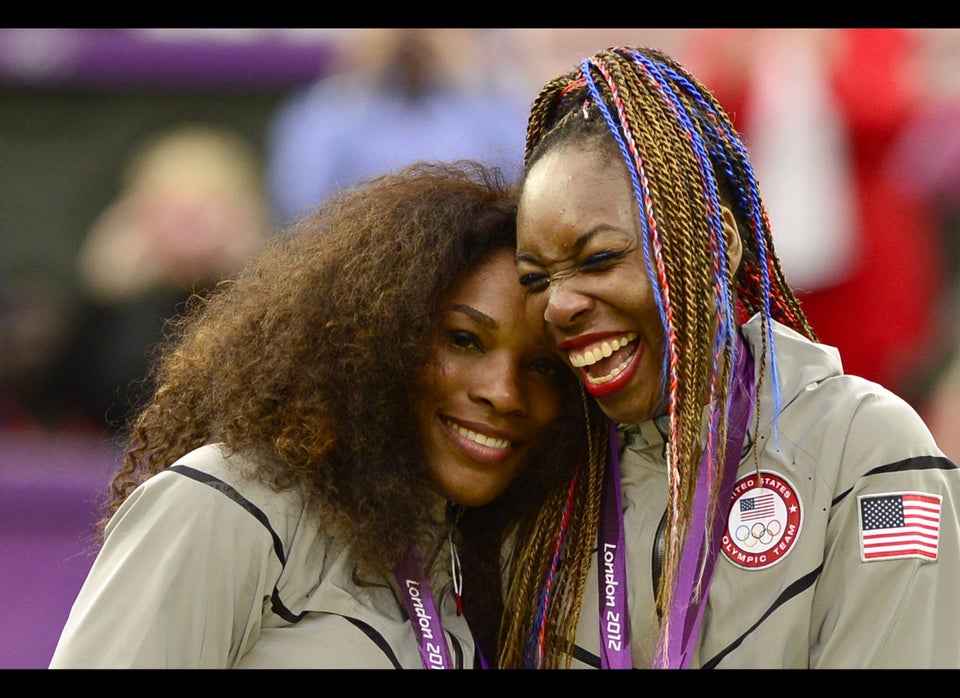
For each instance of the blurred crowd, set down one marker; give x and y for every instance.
(855, 135)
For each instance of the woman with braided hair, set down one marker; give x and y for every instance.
(336, 440)
(743, 502)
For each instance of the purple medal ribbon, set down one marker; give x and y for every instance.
(418, 600)
(612, 570)
(614, 620)
(685, 610)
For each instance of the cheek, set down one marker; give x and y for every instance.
(637, 298)
(646, 311)
(434, 384)
(440, 371)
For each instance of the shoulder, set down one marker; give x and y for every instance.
(864, 411)
(840, 426)
(210, 483)
(818, 400)
(847, 434)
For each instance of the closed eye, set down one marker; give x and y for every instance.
(600, 260)
(538, 281)
(534, 282)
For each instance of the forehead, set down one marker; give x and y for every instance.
(491, 285)
(575, 188)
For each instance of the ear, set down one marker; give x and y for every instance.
(732, 235)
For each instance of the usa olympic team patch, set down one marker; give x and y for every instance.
(764, 521)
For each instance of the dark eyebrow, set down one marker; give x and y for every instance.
(476, 315)
(577, 246)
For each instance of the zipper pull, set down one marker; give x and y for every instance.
(456, 573)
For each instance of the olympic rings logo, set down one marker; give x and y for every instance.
(757, 533)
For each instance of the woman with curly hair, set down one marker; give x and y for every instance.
(745, 504)
(335, 442)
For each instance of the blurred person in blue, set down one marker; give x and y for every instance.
(393, 96)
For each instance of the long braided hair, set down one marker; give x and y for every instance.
(685, 160)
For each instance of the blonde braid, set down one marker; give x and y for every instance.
(536, 543)
(674, 186)
(536, 537)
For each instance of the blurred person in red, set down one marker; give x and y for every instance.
(925, 158)
(875, 251)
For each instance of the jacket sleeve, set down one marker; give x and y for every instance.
(180, 582)
(895, 607)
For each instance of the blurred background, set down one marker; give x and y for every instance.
(140, 165)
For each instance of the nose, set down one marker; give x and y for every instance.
(501, 387)
(565, 304)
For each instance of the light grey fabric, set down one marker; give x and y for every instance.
(188, 574)
(813, 602)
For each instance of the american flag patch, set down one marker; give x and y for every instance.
(899, 525)
(758, 507)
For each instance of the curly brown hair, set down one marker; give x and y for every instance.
(311, 361)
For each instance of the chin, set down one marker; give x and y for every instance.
(474, 496)
(473, 499)
(623, 410)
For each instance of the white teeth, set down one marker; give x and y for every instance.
(610, 376)
(592, 356)
(481, 439)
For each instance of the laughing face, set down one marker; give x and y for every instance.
(580, 260)
(494, 390)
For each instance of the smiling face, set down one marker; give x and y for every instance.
(493, 389)
(580, 259)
